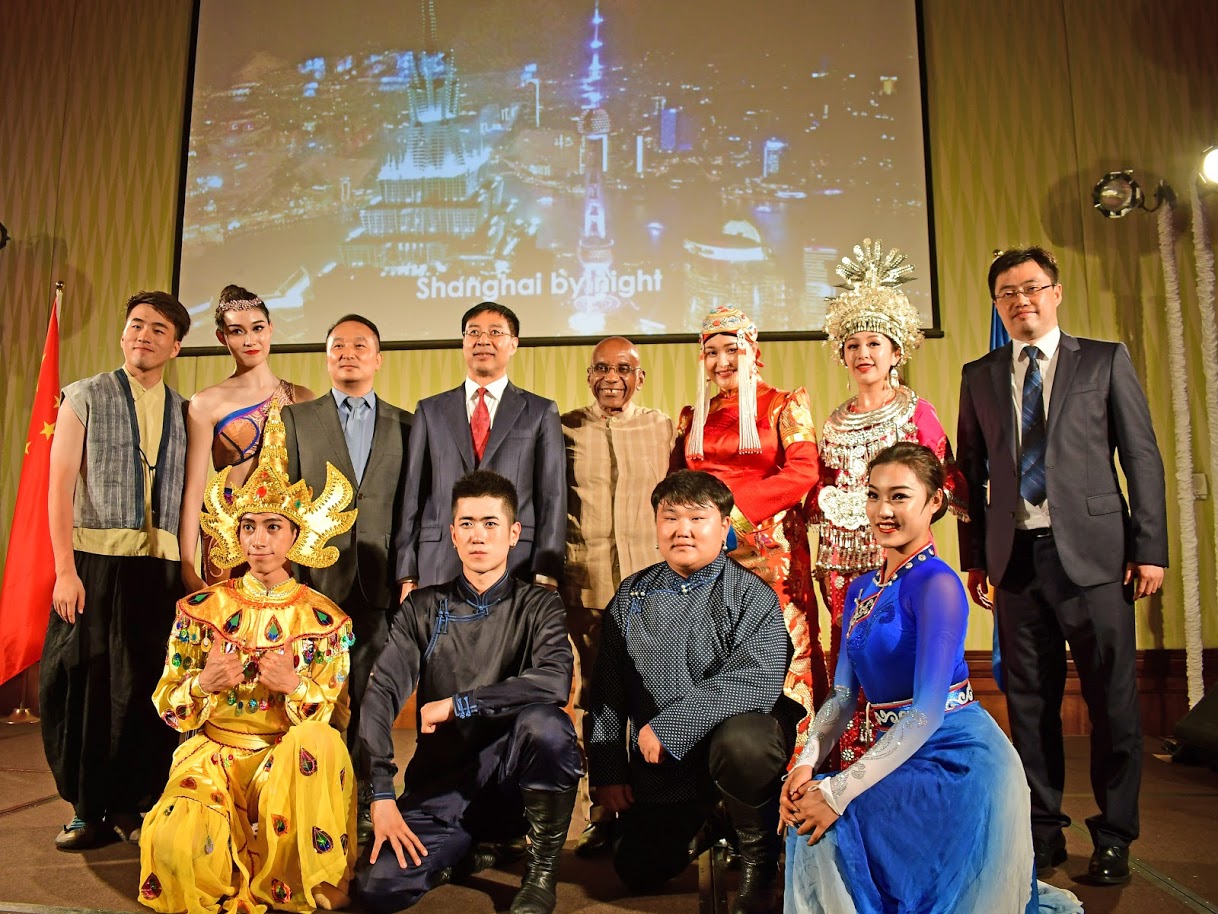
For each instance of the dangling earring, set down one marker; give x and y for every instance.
(894, 379)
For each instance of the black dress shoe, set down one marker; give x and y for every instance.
(596, 840)
(1109, 866)
(1049, 853)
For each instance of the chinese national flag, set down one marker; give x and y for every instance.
(29, 569)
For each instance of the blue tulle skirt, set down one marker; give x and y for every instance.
(946, 833)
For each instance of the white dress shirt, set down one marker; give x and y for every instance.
(494, 393)
(1029, 516)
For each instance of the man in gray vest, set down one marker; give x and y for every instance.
(365, 438)
(114, 498)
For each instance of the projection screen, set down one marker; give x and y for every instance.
(601, 168)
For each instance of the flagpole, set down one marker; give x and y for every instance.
(22, 713)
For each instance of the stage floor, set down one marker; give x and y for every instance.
(1175, 862)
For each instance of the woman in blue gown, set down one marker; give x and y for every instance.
(934, 817)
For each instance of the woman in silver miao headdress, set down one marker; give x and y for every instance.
(873, 330)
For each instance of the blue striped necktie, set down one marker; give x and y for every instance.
(1032, 436)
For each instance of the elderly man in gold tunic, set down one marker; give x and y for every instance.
(257, 665)
(616, 453)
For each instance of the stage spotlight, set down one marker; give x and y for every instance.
(1209, 167)
(1116, 194)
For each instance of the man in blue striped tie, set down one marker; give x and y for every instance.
(1040, 419)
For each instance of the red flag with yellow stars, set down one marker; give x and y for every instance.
(29, 569)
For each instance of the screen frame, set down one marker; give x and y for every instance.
(934, 331)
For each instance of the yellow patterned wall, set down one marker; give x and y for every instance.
(1029, 101)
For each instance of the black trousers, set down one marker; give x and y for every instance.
(1039, 611)
(539, 752)
(105, 744)
(745, 758)
(370, 625)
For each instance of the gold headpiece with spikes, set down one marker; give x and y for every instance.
(267, 491)
(872, 302)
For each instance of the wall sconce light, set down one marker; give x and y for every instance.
(1208, 176)
(1117, 194)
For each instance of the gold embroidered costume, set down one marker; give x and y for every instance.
(260, 757)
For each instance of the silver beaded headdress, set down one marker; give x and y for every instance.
(872, 301)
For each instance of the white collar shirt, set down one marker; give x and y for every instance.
(494, 393)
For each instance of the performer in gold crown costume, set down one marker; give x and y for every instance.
(257, 664)
(872, 329)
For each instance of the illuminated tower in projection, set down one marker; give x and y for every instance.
(436, 200)
(594, 297)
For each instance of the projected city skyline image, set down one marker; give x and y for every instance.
(600, 167)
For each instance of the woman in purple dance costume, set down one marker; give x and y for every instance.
(225, 421)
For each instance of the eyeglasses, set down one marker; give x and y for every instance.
(600, 369)
(494, 335)
(1029, 292)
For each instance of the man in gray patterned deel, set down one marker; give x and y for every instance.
(692, 661)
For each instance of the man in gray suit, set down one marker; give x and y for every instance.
(1039, 420)
(365, 438)
(487, 423)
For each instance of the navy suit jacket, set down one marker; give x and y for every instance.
(1096, 408)
(525, 446)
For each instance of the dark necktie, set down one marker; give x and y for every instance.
(480, 425)
(351, 431)
(1032, 436)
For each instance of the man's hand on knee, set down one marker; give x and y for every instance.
(388, 825)
(614, 797)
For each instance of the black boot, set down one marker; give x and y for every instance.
(549, 815)
(757, 836)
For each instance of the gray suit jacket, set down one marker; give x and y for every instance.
(1097, 407)
(526, 446)
(315, 437)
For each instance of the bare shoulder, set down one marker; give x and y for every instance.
(206, 403)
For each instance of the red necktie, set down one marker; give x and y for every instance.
(480, 425)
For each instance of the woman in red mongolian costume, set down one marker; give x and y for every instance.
(225, 421)
(872, 329)
(760, 441)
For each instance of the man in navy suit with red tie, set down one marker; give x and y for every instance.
(1040, 419)
(487, 423)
